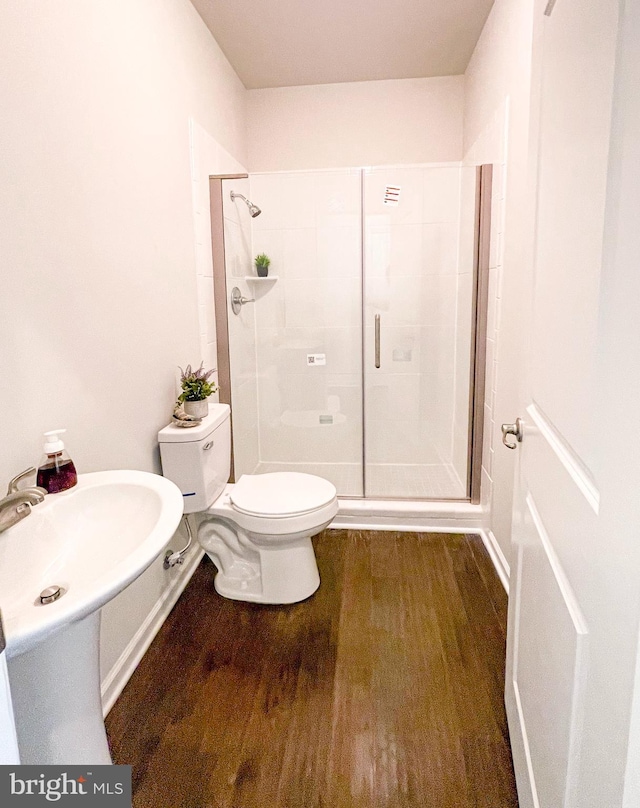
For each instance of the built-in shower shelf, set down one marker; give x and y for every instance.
(261, 280)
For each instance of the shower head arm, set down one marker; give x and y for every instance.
(254, 210)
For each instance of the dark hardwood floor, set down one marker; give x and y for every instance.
(384, 689)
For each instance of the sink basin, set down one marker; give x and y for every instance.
(92, 541)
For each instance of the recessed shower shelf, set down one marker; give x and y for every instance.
(261, 280)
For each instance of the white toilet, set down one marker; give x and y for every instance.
(258, 531)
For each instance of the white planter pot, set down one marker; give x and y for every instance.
(199, 409)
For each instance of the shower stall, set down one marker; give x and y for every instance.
(355, 358)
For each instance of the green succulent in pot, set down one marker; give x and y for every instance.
(195, 384)
(262, 262)
(196, 389)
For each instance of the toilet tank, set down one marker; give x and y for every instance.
(198, 459)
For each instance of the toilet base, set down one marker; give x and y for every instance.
(273, 573)
(250, 590)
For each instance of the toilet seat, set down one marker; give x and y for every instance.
(281, 494)
(273, 507)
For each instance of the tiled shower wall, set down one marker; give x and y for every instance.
(310, 413)
(242, 328)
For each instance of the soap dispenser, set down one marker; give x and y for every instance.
(56, 471)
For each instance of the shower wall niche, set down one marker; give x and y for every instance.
(352, 359)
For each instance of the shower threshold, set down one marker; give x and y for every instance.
(425, 516)
(428, 483)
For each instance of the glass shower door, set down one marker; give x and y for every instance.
(308, 324)
(419, 226)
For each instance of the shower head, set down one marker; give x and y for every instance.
(254, 210)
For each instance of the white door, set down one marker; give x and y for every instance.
(574, 599)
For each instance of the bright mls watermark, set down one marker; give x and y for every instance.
(28, 786)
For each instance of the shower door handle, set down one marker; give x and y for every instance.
(377, 339)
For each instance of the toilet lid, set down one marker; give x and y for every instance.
(281, 493)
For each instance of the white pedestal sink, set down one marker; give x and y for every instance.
(92, 541)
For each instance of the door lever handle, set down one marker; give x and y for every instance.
(515, 430)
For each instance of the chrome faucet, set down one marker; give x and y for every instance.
(18, 502)
(13, 485)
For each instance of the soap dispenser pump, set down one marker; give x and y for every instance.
(56, 471)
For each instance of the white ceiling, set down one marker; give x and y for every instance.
(281, 43)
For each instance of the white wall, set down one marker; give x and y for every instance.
(355, 124)
(98, 302)
(496, 121)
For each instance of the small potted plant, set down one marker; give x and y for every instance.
(262, 262)
(196, 389)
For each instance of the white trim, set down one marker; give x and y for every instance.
(367, 168)
(569, 458)
(562, 582)
(531, 781)
(578, 619)
(517, 604)
(115, 681)
(497, 557)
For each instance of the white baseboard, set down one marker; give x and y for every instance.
(119, 675)
(497, 557)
